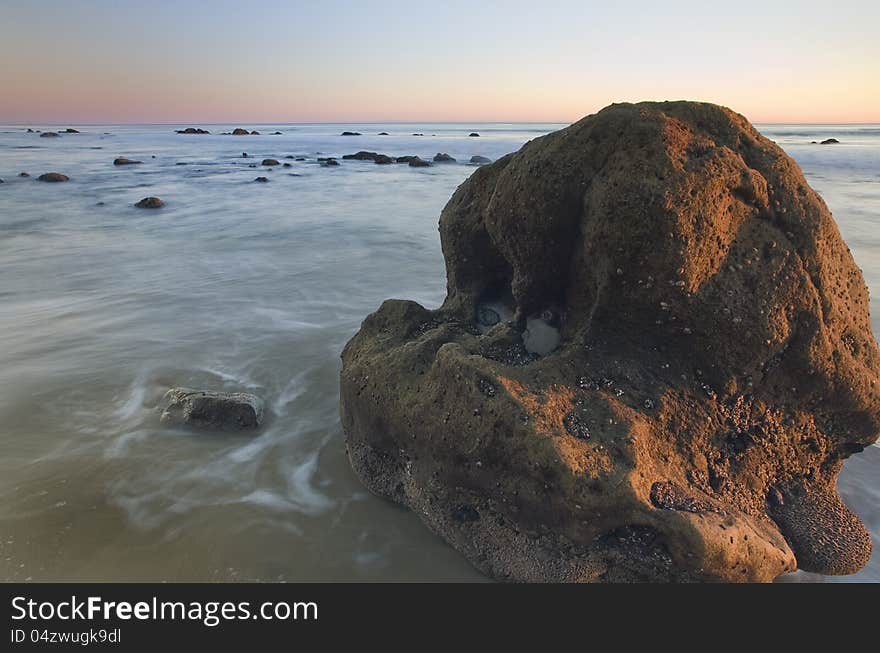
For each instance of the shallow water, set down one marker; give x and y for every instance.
(237, 285)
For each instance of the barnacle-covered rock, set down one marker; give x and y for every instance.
(654, 355)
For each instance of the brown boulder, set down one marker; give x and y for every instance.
(212, 410)
(270, 162)
(654, 355)
(122, 161)
(52, 177)
(150, 203)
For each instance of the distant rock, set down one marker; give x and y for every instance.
(23, 174)
(238, 131)
(53, 177)
(30, 131)
(212, 410)
(329, 162)
(70, 130)
(443, 158)
(255, 133)
(416, 162)
(288, 165)
(150, 203)
(383, 159)
(383, 134)
(48, 135)
(122, 161)
(351, 133)
(270, 162)
(277, 134)
(300, 158)
(192, 130)
(244, 155)
(829, 141)
(1, 181)
(480, 159)
(418, 134)
(363, 155)
(262, 180)
(405, 159)
(474, 135)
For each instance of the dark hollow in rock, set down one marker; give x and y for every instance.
(48, 135)
(212, 410)
(442, 157)
(416, 162)
(270, 162)
(713, 452)
(262, 180)
(192, 130)
(150, 203)
(122, 161)
(53, 177)
(829, 141)
(351, 134)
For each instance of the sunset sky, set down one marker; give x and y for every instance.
(333, 60)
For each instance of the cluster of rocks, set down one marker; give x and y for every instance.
(653, 358)
(192, 130)
(238, 131)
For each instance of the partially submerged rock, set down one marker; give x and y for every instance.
(71, 130)
(270, 162)
(417, 162)
(351, 134)
(150, 203)
(192, 130)
(212, 410)
(48, 135)
(442, 157)
(479, 160)
(53, 177)
(474, 135)
(262, 180)
(654, 355)
(829, 141)
(238, 131)
(122, 161)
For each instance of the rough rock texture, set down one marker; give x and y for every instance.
(54, 177)
(654, 355)
(212, 410)
(150, 203)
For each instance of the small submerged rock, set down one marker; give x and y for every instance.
(212, 410)
(329, 162)
(48, 135)
(442, 157)
(23, 174)
(270, 162)
(150, 203)
(382, 134)
(262, 180)
(122, 161)
(288, 165)
(52, 177)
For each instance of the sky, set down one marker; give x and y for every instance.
(203, 62)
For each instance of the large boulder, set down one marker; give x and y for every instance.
(52, 177)
(212, 410)
(654, 355)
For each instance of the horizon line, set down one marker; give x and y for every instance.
(385, 122)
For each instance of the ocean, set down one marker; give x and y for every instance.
(239, 285)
